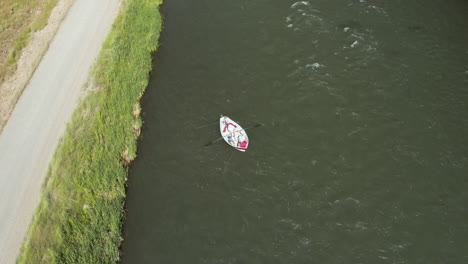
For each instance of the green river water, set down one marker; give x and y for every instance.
(363, 152)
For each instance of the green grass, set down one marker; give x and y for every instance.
(79, 218)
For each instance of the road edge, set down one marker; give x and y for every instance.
(12, 88)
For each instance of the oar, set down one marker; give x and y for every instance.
(207, 125)
(257, 125)
(211, 142)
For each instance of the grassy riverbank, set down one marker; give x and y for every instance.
(79, 218)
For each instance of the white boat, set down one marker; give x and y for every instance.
(233, 133)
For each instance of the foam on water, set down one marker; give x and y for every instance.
(300, 3)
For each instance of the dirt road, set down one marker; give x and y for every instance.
(38, 120)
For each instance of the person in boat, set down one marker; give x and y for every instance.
(231, 141)
(231, 128)
(241, 142)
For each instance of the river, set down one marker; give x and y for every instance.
(363, 152)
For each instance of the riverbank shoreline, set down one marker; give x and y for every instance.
(80, 214)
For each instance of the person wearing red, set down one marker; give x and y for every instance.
(241, 142)
(231, 128)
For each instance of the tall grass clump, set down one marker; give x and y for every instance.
(79, 218)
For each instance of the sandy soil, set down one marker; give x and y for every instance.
(36, 123)
(12, 88)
